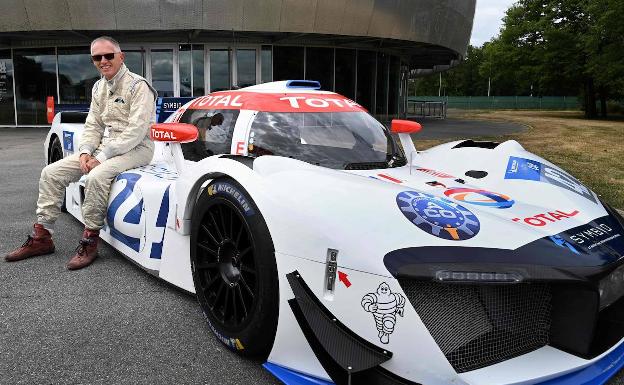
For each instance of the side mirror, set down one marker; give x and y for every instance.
(173, 132)
(404, 126)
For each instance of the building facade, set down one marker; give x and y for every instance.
(363, 49)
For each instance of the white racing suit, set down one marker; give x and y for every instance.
(116, 132)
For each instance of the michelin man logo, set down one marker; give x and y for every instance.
(385, 305)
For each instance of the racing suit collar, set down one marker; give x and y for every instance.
(114, 82)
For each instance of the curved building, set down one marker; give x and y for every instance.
(363, 49)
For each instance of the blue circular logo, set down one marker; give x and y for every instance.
(438, 216)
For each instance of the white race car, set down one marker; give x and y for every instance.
(309, 237)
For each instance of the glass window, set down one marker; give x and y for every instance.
(266, 63)
(35, 79)
(393, 93)
(185, 66)
(345, 72)
(287, 63)
(215, 129)
(365, 79)
(162, 71)
(199, 87)
(383, 62)
(7, 108)
(320, 66)
(77, 74)
(404, 75)
(339, 140)
(135, 61)
(219, 69)
(246, 67)
(191, 69)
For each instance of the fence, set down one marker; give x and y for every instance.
(429, 109)
(502, 102)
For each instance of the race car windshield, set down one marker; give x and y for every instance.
(339, 140)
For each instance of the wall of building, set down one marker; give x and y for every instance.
(363, 49)
(445, 23)
(29, 75)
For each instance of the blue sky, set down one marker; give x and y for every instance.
(488, 20)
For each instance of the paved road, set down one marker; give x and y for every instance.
(454, 128)
(109, 323)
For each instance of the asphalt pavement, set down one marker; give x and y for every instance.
(451, 128)
(110, 323)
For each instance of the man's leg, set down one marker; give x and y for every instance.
(54, 178)
(95, 204)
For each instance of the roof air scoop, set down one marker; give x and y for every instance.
(307, 84)
(477, 143)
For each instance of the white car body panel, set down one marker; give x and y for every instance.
(152, 207)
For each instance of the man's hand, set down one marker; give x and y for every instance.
(92, 163)
(84, 160)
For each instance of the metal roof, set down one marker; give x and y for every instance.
(427, 33)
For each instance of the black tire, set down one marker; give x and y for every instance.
(234, 270)
(56, 154)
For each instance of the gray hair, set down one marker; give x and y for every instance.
(108, 39)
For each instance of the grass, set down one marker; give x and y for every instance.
(591, 150)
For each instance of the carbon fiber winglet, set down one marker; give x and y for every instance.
(346, 357)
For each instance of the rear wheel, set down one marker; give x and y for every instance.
(56, 154)
(234, 270)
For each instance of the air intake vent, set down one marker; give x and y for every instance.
(366, 166)
(480, 325)
(73, 117)
(309, 84)
(478, 144)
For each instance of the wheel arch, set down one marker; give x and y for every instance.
(53, 136)
(196, 189)
(200, 184)
(193, 183)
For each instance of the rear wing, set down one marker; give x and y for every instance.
(77, 113)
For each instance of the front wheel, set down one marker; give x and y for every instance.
(234, 269)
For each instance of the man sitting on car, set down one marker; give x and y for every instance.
(115, 139)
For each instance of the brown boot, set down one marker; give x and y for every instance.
(86, 250)
(39, 243)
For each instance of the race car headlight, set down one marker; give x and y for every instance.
(611, 287)
(477, 277)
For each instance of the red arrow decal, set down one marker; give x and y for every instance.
(342, 277)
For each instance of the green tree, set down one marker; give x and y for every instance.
(604, 45)
(562, 47)
(463, 80)
(538, 46)
(546, 47)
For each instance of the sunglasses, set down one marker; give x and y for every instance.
(107, 56)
